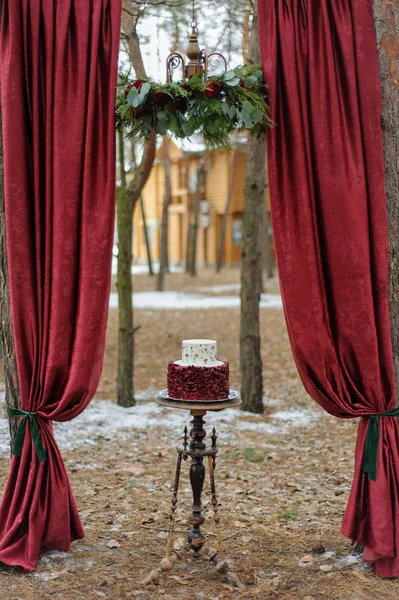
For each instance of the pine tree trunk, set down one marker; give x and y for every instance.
(386, 16)
(252, 263)
(124, 215)
(7, 351)
(147, 240)
(163, 259)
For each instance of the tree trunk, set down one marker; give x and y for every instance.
(251, 264)
(124, 213)
(267, 245)
(163, 259)
(197, 200)
(222, 232)
(386, 17)
(147, 241)
(127, 198)
(7, 351)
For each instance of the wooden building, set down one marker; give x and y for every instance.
(223, 170)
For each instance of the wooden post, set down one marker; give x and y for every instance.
(147, 240)
(223, 223)
(386, 17)
(197, 201)
(163, 259)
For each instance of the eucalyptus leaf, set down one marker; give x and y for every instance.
(136, 101)
(162, 115)
(232, 112)
(132, 94)
(257, 115)
(249, 82)
(162, 128)
(145, 88)
(225, 108)
(229, 75)
(233, 82)
(247, 108)
(246, 120)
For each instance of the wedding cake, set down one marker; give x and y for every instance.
(198, 375)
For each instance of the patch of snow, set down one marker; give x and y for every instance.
(227, 287)
(328, 554)
(182, 301)
(104, 421)
(143, 269)
(297, 417)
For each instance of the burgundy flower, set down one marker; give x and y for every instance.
(161, 98)
(212, 90)
(241, 83)
(179, 104)
(186, 87)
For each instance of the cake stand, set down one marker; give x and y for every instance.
(195, 449)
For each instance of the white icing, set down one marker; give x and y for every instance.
(200, 353)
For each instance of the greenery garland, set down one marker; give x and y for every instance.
(213, 107)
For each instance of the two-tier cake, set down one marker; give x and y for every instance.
(198, 375)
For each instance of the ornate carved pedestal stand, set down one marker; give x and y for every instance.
(198, 452)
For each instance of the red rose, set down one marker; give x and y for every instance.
(179, 104)
(137, 84)
(241, 83)
(212, 90)
(186, 87)
(161, 98)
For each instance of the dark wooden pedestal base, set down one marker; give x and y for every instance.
(195, 450)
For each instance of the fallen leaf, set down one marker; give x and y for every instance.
(113, 544)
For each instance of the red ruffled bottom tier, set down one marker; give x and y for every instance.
(198, 383)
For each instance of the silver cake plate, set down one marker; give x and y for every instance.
(234, 399)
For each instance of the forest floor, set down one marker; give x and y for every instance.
(283, 478)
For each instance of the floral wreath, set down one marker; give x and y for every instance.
(214, 106)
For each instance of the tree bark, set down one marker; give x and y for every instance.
(147, 240)
(124, 215)
(267, 245)
(197, 200)
(127, 199)
(163, 259)
(252, 263)
(7, 350)
(222, 232)
(386, 17)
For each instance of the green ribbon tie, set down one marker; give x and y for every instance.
(369, 465)
(20, 435)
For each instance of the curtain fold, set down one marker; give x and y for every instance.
(326, 177)
(58, 71)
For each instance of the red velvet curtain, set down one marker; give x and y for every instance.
(58, 70)
(326, 176)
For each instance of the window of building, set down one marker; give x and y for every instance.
(237, 232)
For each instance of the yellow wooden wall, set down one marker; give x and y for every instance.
(216, 190)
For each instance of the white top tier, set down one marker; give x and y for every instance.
(201, 353)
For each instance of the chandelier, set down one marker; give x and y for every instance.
(199, 61)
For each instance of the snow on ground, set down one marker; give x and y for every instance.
(182, 301)
(104, 420)
(143, 269)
